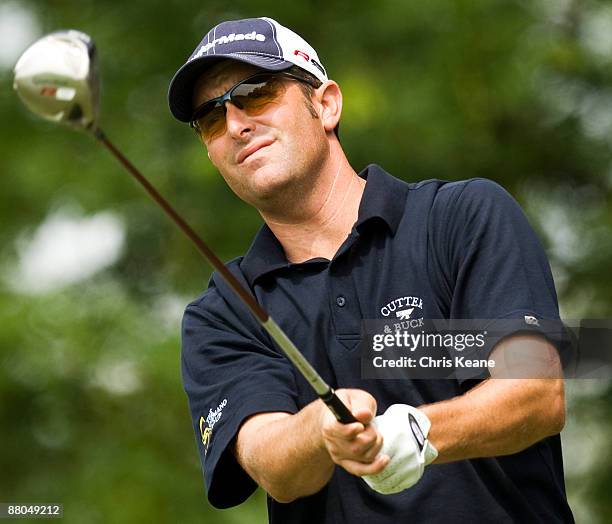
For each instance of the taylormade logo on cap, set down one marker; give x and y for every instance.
(226, 40)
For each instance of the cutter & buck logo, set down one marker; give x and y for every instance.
(407, 309)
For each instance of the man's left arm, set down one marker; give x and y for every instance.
(502, 416)
(497, 270)
(488, 264)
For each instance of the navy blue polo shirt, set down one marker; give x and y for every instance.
(453, 250)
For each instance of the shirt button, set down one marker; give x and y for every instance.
(341, 301)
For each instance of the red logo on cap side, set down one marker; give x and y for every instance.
(297, 52)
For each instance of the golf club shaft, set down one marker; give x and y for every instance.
(323, 390)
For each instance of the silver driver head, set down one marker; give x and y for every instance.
(57, 78)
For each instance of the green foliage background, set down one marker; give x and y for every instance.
(516, 91)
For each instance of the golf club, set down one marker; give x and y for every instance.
(57, 79)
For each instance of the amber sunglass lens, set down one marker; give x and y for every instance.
(254, 96)
(212, 122)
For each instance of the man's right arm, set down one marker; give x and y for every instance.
(293, 456)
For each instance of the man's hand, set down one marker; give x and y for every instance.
(404, 429)
(356, 446)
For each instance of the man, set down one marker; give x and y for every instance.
(339, 247)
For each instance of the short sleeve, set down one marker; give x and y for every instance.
(490, 262)
(231, 371)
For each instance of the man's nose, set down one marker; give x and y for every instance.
(237, 120)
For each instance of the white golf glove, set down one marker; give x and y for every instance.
(404, 430)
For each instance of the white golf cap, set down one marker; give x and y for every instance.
(262, 42)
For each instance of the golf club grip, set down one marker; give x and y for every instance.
(337, 407)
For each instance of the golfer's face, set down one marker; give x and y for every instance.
(262, 153)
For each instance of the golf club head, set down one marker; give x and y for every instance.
(57, 78)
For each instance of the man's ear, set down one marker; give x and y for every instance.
(330, 99)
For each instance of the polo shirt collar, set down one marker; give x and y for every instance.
(384, 197)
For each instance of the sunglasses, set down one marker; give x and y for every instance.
(252, 95)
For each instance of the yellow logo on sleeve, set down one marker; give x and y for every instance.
(206, 424)
(206, 434)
